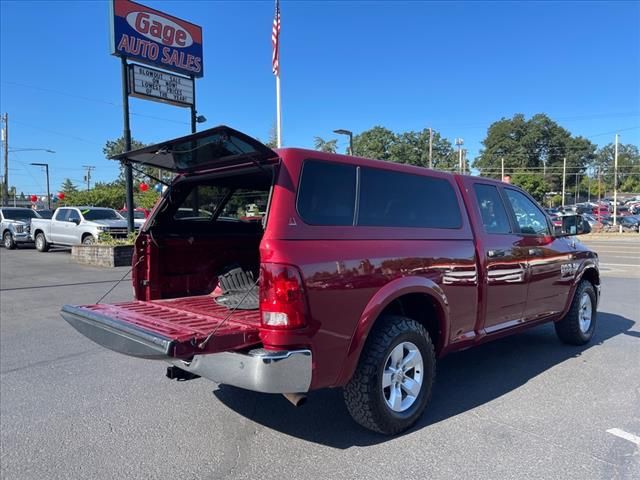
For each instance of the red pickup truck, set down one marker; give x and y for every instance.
(352, 279)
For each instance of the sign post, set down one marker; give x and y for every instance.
(157, 39)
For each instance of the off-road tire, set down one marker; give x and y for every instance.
(568, 329)
(8, 241)
(41, 243)
(363, 395)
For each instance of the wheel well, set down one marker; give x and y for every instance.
(591, 275)
(86, 234)
(423, 309)
(35, 234)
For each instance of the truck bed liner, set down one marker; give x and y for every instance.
(170, 328)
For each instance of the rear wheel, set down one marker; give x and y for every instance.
(41, 243)
(8, 241)
(392, 383)
(579, 324)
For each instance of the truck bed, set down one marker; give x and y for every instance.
(161, 329)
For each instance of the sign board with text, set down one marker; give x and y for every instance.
(160, 86)
(155, 38)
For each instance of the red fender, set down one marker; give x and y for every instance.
(382, 298)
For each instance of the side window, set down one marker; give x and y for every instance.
(327, 193)
(492, 211)
(395, 199)
(73, 215)
(62, 214)
(529, 217)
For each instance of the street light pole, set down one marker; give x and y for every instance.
(430, 147)
(341, 131)
(615, 183)
(46, 167)
(5, 138)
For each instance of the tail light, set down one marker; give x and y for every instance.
(282, 299)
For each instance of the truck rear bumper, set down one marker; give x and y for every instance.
(259, 370)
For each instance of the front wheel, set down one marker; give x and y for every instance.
(394, 377)
(579, 324)
(88, 240)
(41, 243)
(8, 241)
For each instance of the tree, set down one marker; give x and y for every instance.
(374, 143)
(110, 195)
(628, 166)
(537, 144)
(68, 187)
(116, 147)
(534, 183)
(329, 146)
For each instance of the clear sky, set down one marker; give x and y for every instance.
(454, 66)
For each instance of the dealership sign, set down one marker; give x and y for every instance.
(160, 86)
(155, 38)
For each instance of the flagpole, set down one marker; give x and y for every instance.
(278, 112)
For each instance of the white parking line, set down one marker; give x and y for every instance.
(619, 264)
(626, 435)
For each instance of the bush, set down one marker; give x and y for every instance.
(106, 239)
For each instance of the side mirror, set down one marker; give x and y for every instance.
(75, 220)
(572, 225)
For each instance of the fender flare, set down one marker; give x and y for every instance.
(376, 305)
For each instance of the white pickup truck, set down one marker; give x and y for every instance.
(77, 225)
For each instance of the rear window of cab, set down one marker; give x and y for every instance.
(334, 194)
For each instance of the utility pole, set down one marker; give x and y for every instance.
(576, 197)
(502, 169)
(564, 177)
(430, 147)
(464, 161)
(87, 177)
(459, 143)
(615, 183)
(5, 138)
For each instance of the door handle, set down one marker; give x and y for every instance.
(496, 253)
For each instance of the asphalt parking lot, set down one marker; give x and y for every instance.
(523, 407)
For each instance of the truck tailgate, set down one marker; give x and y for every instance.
(164, 329)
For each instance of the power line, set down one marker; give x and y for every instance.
(95, 100)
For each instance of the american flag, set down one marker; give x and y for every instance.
(275, 41)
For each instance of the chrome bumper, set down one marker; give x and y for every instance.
(260, 370)
(22, 238)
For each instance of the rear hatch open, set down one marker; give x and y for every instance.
(214, 148)
(196, 324)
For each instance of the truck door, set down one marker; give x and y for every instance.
(547, 257)
(502, 258)
(59, 226)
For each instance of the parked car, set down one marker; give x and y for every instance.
(348, 282)
(15, 225)
(629, 223)
(76, 225)
(140, 215)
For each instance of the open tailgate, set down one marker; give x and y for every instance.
(213, 148)
(165, 329)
